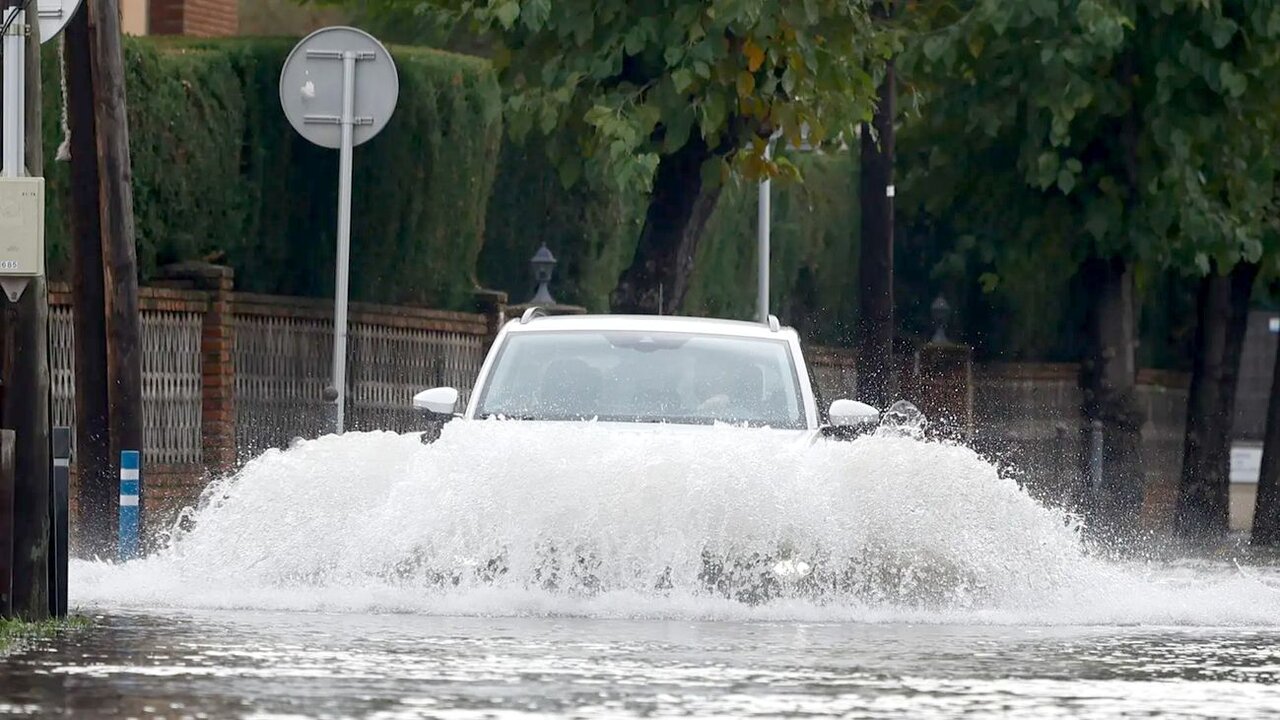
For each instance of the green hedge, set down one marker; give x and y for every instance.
(814, 243)
(591, 230)
(218, 172)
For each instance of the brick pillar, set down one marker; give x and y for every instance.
(217, 369)
(493, 305)
(946, 388)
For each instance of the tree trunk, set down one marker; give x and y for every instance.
(98, 488)
(658, 278)
(1204, 493)
(1109, 378)
(1266, 514)
(875, 311)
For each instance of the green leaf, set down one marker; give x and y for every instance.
(1066, 181)
(507, 13)
(1223, 30)
(676, 128)
(1235, 83)
(682, 79)
(934, 47)
(714, 115)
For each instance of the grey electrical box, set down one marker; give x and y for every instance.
(21, 227)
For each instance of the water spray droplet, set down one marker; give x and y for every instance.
(903, 418)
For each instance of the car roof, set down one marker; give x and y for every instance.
(651, 323)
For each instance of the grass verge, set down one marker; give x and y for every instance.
(14, 631)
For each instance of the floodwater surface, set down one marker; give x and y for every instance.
(552, 572)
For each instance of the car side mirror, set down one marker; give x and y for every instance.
(441, 400)
(851, 413)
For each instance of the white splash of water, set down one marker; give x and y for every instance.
(510, 518)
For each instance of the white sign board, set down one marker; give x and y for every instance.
(21, 227)
(21, 233)
(54, 16)
(313, 86)
(1246, 463)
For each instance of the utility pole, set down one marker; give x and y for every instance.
(98, 489)
(25, 406)
(104, 265)
(875, 269)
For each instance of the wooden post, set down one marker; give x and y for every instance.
(119, 259)
(97, 482)
(25, 407)
(6, 522)
(105, 266)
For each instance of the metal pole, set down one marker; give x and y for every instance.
(763, 220)
(344, 235)
(15, 69)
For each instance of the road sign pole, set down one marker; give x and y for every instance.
(763, 220)
(344, 236)
(321, 102)
(15, 57)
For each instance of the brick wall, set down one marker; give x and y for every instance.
(196, 18)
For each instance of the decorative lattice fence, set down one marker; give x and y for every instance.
(171, 391)
(283, 365)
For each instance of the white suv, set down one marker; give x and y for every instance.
(668, 371)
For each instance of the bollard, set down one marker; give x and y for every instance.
(130, 485)
(58, 523)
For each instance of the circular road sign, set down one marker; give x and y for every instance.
(53, 16)
(311, 86)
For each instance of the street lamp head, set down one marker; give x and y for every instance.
(543, 264)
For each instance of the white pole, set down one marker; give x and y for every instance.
(15, 97)
(344, 234)
(763, 220)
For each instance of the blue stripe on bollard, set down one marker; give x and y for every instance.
(130, 480)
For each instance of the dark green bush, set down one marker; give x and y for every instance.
(218, 172)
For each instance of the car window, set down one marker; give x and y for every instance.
(635, 376)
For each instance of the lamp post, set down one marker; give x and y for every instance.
(543, 264)
(941, 312)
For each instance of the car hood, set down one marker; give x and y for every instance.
(798, 435)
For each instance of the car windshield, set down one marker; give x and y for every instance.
(635, 376)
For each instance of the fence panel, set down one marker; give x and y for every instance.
(284, 364)
(171, 390)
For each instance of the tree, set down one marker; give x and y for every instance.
(1266, 513)
(1121, 137)
(875, 268)
(671, 97)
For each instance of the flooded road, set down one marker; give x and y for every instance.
(579, 572)
(240, 664)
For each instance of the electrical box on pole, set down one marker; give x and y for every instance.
(339, 88)
(21, 233)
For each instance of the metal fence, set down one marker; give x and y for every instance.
(171, 391)
(283, 366)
